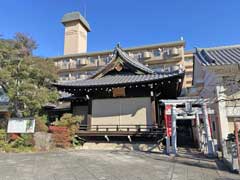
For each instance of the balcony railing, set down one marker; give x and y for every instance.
(112, 130)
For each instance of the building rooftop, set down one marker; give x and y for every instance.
(222, 55)
(74, 16)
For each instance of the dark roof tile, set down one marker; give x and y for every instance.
(118, 80)
(219, 55)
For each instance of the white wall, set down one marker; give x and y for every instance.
(122, 111)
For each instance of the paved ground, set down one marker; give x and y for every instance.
(106, 165)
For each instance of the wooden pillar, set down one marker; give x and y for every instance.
(154, 115)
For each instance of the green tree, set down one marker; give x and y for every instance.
(26, 78)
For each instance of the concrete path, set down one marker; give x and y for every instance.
(109, 165)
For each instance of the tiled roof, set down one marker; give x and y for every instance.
(75, 16)
(120, 80)
(133, 61)
(219, 55)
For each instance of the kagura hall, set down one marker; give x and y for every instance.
(122, 98)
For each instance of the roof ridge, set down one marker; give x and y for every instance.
(134, 61)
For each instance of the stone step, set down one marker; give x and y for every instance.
(123, 146)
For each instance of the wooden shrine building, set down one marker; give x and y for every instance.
(122, 99)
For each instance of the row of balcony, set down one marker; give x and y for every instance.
(160, 53)
(156, 54)
(85, 74)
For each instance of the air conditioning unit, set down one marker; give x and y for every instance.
(146, 55)
(175, 68)
(131, 55)
(83, 76)
(83, 62)
(174, 52)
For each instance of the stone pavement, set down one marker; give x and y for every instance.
(109, 165)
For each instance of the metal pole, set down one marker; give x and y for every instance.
(210, 148)
(174, 130)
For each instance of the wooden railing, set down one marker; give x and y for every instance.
(122, 128)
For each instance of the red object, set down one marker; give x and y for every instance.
(168, 119)
(14, 136)
(61, 136)
(57, 129)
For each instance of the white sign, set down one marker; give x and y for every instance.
(21, 125)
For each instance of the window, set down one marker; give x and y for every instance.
(156, 52)
(90, 72)
(188, 59)
(189, 74)
(65, 63)
(78, 61)
(213, 126)
(137, 55)
(64, 76)
(93, 60)
(158, 68)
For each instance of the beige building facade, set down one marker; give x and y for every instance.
(75, 36)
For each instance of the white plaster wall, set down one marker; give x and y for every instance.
(122, 111)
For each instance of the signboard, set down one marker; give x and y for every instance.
(118, 92)
(21, 125)
(168, 119)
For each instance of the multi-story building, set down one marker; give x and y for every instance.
(188, 65)
(77, 63)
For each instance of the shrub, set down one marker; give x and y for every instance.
(25, 140)
(3, 123)
(40, 124)
(71, 122)
(61, 136)
(14, 136)
(17, 143)
(7, 147)
(77, 141)
(28, 140)
(3, 135)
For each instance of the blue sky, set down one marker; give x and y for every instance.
(202, 23)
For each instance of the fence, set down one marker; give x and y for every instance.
(121, 129)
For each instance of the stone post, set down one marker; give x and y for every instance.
(210, 147)
(174, 130)
(167, 145)
(198, 130)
